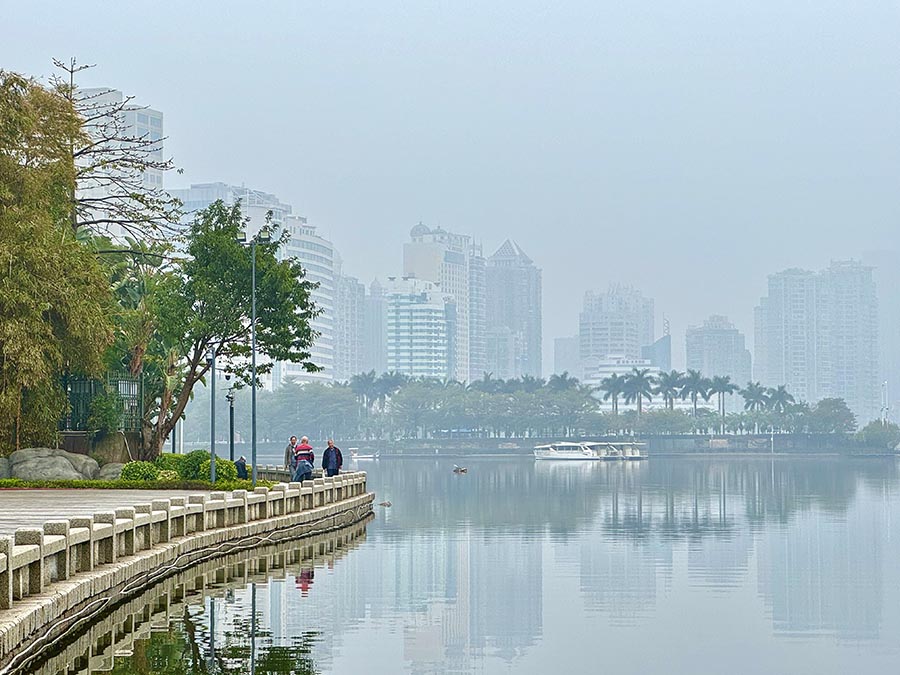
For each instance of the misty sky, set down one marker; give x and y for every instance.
(687, 148)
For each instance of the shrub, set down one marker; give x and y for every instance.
(878, 435)
(189, 467)
(170, 462)
(105, 414)
(139, 471)
(226, 471)
(168, 476)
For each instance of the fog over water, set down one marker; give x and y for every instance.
(688, 147)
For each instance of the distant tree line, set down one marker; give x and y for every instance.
(394, 406)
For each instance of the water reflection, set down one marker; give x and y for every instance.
(529, 567)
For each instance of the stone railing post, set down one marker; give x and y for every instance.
(60, 528)
(165, 524)
(84, 549)
(127, 544)
(144, 531)
(262, 508)
(106, 545)
(199, 518)
(6, 573)
(35, 571)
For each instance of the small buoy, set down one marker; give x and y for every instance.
(384, 504)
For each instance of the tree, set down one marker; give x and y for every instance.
(779, 399)
(613, 386)
(879, 434)
(693, 386)
(755, 397)
(562, 382)
(110, 162)
(722, 386)
(669, 385)
(202, 305)
(638, 385)
(54, 299)
(365, 386)
(829, 416)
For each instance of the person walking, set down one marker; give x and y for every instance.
(289, 454)
(304, 459)
(332, 459)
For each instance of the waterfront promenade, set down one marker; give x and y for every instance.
(68, 556)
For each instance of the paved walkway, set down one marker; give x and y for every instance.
(32, 508)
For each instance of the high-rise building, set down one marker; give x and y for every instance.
(818, 335)
(616, 323)
(349, 325)
(137, 130)
(513, 313)
(375, 330)
(456, 265)
(566, 357)
(420, 328)
(886, 272)
(717, 348)
(659, 353)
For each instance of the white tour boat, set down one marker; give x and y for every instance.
(592, 451)
(355, 455)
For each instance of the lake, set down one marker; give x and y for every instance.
(666, 566)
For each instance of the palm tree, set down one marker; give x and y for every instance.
(365, 387)
(614, 386)
(755, 398)
(638, 385)
(562, 382)
(780, 400)
(721, 385)
(487, 384)
(694, 385)
(669, 385)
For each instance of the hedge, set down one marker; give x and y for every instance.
(18, 483)
(226, 471)
(140, 471)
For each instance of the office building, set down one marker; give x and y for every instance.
(420, 328)
(456, 265)
(717, 348)
(375, 330)
(513, 314)
(349, 325)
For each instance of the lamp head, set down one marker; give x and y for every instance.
(242, 236)
(264, 236)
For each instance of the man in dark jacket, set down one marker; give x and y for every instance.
(241, 466)
(332, 460)
(289, 453)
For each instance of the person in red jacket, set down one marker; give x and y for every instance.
(303, 460)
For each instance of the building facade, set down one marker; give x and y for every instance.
(349, 325)
(616, 323)
(513, 314)
(456, 265)
(375, 330)
(420, 326)
(817, 333)
(717, 348)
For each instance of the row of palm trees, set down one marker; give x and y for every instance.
(639, 384)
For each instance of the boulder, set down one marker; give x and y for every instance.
(111, 471)
(51, 464)
(4, 467)
(46, 468)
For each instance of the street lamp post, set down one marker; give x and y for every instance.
(262, 237)
(230, 398)
(211, 360)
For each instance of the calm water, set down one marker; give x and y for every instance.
(669, 566)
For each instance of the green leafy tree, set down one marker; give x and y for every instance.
(722, 386)
(613, 387)
(202, 306)
(780, 400)
(669, 386)
(878, 434)
(694, 386)
(755, 397)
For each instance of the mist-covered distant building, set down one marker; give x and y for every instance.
(457, 266)
(817, 333)
(566, 358)
(660, 352)
(717, 348)
(886, 272)
(375, 330)
(420, 321)
(616, 323)
(349, 325)
(513, 333)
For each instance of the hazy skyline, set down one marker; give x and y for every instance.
(686, 148)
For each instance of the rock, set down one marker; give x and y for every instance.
(51, 464)
(45, 468)
(4, 467)
(111, 471)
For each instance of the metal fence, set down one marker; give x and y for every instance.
(81, 391)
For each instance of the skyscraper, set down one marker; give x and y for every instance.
(616, 323)
(513, 313)
(717, 348)
(375, 330)
(818, 335)
(456, 266)
(420, 328)
(349, 325)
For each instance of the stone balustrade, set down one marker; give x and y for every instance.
(61, 564)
